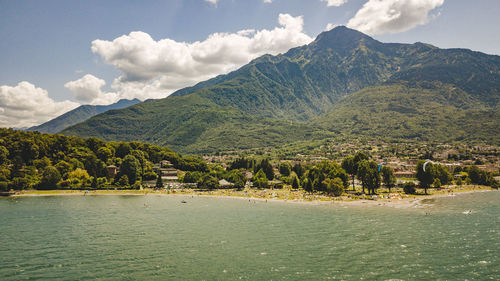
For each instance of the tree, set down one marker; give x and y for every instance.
(295, 182)
(64, 168)
(409, 187)
(159, 182)
(307, 185)
(95, 184)
(388, 177)
(191, 177)
(50, 178)
(425, 178)
(123, 149)
(260, 179)
(369, 175)
(267, 168)
(350, 167)
(104, 153)
(237, 178)
(334, 186)
(299, 170)
(131, 167)
(436, 183)
(285, 169)
(43, 163)
(209, 182)
(240, 163)
(123, 181)
(4, 155)
(78, 177)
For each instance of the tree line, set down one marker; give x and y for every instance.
(31, 160)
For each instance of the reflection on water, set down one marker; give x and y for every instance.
(154, 237)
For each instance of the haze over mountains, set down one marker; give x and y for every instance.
(78, 115)
(343, 84)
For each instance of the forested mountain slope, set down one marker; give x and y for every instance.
(316, 91)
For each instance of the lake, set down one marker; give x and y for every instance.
(159, 238)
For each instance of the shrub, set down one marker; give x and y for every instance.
(436, 183)
(409, 187)
(4, 185)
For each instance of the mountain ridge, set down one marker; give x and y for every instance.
(308, 89)
(77, 115)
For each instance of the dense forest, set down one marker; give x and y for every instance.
(46, 161)
(31, 160)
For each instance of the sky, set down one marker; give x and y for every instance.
(58, 54)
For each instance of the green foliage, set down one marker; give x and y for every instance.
(4, 186)
(285, 169)
(236, 177)
(266, 167)
(295, 181)
(191, 177)
(50, 178)
(299, 170)
(131, 167)
(159, 182)
(425, 178)
(388, 177)
(369, 175)
(344, 83)
(78, 115)
(123, 181)
(436, 183)
(4, 155)
(241, 163)
(478, 176)
(260, 179)
(208, 182)
(409, 188)
(78, 161)
(334, 186)
(123, 149)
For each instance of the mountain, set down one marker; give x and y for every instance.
(78, 115)
(344, 83)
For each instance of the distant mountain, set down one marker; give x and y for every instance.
(78, 115)
(344, 83)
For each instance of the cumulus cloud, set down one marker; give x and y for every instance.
(88, 90)
(154, 69)
(335, 3)
(391, 16)
(268, 1)
(330, 26)
(25, 105)
(212, 1)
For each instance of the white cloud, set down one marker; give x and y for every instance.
(25, 105)
(212, 1)
(335, 3)
(268, 1)
(330, 26)
(391, 16)
(154, 69)
(88, 90)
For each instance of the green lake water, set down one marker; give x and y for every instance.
(160, 238)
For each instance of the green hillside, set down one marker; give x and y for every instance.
(78, 115)
(424, 111)
(344, 83)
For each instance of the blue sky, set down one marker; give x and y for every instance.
(51, 44)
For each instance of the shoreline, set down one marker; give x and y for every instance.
(402, 201)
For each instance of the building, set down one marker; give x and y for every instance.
(112, 171)
(225, 184)
(404, 174)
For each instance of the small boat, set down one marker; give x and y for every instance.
(183, 201)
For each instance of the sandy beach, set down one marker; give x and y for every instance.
(394, 200)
